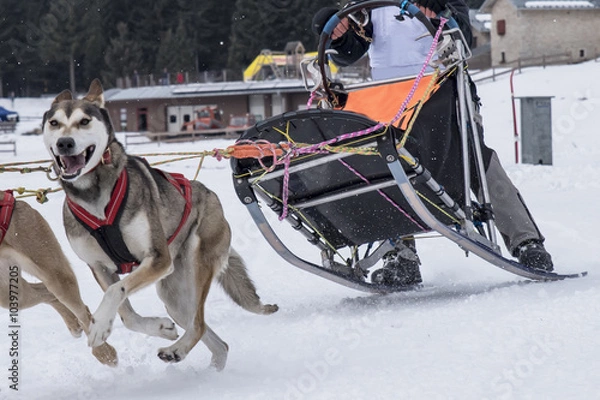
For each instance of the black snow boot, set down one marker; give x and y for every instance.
(533, 254)
(400, 266)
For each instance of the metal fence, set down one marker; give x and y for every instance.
(541, 61)
(173, 78)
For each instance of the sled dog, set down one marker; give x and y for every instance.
(135, 225)
(27, 243)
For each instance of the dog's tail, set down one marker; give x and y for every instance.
(238, 285)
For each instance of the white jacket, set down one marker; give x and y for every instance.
(394, 51)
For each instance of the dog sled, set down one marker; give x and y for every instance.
(354, 186)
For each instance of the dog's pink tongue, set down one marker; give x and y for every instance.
(73, 163)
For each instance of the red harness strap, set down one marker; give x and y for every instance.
(7, 206)
(182, 184)
(106, 231)
(111, 210)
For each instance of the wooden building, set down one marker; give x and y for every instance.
(166, 108)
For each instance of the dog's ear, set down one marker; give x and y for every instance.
(64, 95)
(96, 93)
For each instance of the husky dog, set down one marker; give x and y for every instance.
(28, 244)
(123, 217)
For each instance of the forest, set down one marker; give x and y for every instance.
(50, 45)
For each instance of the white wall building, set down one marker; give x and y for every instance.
(525, 29)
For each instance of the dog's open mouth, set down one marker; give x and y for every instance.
(71, 166)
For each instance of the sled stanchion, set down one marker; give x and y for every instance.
(388, 150)
(470, 134)
(461, 240)
(462, 115)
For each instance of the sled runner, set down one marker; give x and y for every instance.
(353, 185)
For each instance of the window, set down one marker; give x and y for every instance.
(502, 57)
(501, 27)
(123, 118)
(173, 119)
(582, 53)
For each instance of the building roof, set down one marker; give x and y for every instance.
(480, 21)
(545, 4)
(207, 90)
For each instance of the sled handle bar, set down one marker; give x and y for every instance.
(406, 8)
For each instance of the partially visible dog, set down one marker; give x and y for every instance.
(27, 243)
(124, 217)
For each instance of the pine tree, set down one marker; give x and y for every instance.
(148, 24)
(20, 66)
(213, 35)
(270, 24)
(123, 55)
(176, 51)
(95, 43)
(61, 30)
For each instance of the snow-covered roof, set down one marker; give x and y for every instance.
(207, 89)
(480, 21)
(559, 4)
(545, 5)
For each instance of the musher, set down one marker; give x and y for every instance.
(394, 53)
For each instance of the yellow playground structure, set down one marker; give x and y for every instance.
(279, 65)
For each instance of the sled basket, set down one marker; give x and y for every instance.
(349, 197)
(348, 191)
(343, 195)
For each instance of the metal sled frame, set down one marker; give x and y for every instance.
(353, 272)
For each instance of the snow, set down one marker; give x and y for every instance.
(485, 19)
(474, 331)
(559, 4)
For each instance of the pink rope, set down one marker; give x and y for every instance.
(422, 71)
(310, 99)
(318, 147)
(386, 197)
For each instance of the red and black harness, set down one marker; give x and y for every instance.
(7, 205)
(107, 232)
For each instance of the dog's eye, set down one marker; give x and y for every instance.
(54, 122)
(84, 121)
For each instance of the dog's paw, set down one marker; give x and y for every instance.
(106, 354)
(218, 361)
(76, 330)
(99, 331)
(161, 327)
(269, 308)
(73, 324)
(170, 354)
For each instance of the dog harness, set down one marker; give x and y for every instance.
(7, 206)
(107, 232)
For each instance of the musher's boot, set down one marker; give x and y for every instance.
(400, 266)
(533, 254)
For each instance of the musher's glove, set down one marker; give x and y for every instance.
(437, 6)
(321, 18)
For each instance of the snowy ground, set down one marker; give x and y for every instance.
(476, 332)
